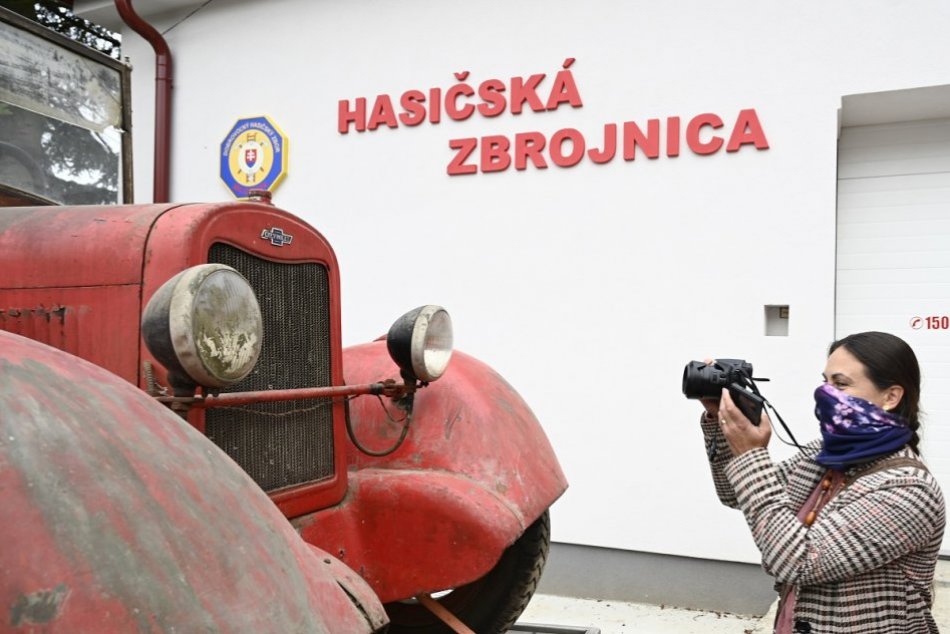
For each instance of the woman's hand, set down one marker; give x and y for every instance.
(739, 431)
(711, 406)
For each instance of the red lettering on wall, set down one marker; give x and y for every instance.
(529, 145)
(556, 148)
(693, 140)
(382, 113)
(494, 98)
(412, 102)
(465, 148)
(568, 147)
(522, 92)
(564, 90)
(610, 145)
(451, 102)
(672, 136)
(747, 130)
(435, 105)
(634, 137)
(495, 156)
(494, 102)
(345, 116)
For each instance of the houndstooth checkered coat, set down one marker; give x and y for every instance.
(867, 563)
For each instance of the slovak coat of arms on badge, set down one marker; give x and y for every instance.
(253, 156)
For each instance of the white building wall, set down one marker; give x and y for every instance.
(893, 263)
(588, 288)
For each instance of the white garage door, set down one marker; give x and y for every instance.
(893, 265)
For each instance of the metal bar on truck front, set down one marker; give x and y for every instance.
(388, 388)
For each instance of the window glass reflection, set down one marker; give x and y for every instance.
(63, 162)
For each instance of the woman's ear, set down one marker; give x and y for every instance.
(892, 397)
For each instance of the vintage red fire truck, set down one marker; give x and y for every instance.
(419, 488)
(417, 467)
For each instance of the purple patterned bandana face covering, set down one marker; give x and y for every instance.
(855, 431)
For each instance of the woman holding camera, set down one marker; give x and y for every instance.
(851, 527)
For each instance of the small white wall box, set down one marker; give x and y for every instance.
(776, 321)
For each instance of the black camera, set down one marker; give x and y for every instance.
(706, 381)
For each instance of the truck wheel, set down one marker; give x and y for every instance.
(489, 605)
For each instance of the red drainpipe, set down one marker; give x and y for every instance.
(163, 96)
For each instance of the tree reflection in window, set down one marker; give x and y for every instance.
(57, 160)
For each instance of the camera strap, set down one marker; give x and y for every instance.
(755, 388)
(785, 427)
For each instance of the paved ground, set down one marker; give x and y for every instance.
(615, 617)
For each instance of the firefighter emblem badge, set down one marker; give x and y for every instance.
(253, 156)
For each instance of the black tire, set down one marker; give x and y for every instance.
(489, 605)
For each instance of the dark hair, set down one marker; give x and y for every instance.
(888, 360)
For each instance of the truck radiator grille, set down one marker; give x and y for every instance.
(288, 443)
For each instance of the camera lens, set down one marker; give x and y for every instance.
(701, 380)
(706, 381)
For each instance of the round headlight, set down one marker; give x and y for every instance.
(205, 325)
(420, 342)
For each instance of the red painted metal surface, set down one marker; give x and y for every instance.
(181, 238)
(120, 517)
(92, 323)
(102, 264)
(59, 247)
(475, 470)
(71, 277)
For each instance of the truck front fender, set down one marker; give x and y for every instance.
(470, 422)
(120, 517)
(475, 470)
(409, 531)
